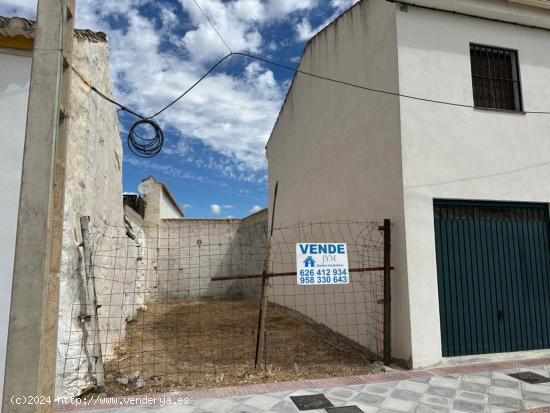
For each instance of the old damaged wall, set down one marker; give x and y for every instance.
(93, 188)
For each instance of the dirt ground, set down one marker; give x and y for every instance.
(211, 343)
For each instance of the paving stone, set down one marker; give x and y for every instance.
(537, 397)
(405, 395)
(399, 405)
(534, 405)
(412, 386)
(439, 401)
(368, 398)
(365, 407)
(426, 408)
(421, 379)
(468, 406)
(507, 402)
(473, 378)
(219, 405)
(474, 387)
(488, 392)
(503, 391)
(495, 409)
(535, 388)
(479, 397)
(261, 401)
(441, 391)
(284, 406)
(247, 409)
(342, 394)
(444, 381)
(505, 383)
(373, 388)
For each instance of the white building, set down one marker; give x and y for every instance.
(466, 185)
(15, 64)
(92, 175)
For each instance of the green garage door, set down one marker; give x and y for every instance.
(493, 270)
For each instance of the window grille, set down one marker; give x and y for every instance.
(495, 78)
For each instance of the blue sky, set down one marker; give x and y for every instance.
(213, 159)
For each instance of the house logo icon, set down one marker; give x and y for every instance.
(309, 262)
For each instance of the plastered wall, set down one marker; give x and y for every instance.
(335, 150)
(193, 251)
(464, 153)
(93, 188)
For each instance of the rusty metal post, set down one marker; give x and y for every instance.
(91, 319)
(265, 278)
(387, 291)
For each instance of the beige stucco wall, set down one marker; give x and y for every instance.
(462, 153)
(93, 188)
(167, 208)
(335, 150)
(192, 251)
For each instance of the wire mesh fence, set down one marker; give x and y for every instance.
(178, 307)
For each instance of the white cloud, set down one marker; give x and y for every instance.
(186, 206)
(216, 209)
(231, 115)
(304, 29)
(255, 209)
(20, 8)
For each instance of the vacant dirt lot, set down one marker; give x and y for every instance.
(210, 343)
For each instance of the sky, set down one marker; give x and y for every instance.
(213, 158)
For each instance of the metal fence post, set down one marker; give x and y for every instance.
(387, 291)
(91, 319)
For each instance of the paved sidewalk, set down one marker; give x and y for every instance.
(474, 388)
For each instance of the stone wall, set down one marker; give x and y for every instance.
(93, 188)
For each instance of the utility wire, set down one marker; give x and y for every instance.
(325, 78)
(370, 89)
(219, 62)
(149, 147)
(293, 69)
(214, 27)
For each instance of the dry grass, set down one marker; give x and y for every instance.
(211, 343)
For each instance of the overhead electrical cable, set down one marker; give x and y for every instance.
(146, 150)
(149, 147)
(214, 27)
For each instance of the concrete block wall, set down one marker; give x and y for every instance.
(193, 251)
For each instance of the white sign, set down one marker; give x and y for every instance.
(322, 263)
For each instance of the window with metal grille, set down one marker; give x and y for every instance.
(495, 78)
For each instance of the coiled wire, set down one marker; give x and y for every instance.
(149, 145)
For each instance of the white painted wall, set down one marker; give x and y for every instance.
(93, 187)
(336, 150)
(167, 208)
(462, 153)
(14, 90)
